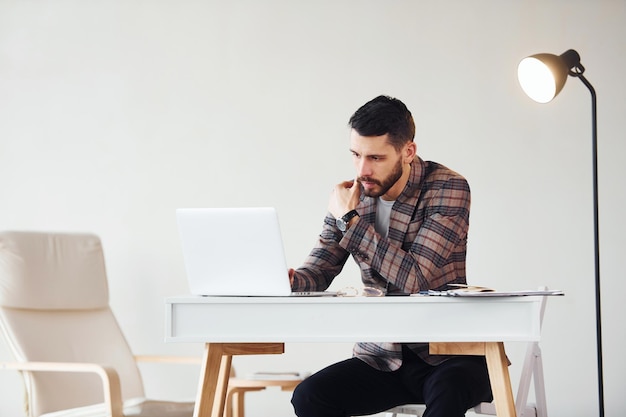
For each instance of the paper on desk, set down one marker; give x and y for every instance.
(468, 292)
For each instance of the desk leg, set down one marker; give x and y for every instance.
(209, 380)
(215, 372)
(497, 366)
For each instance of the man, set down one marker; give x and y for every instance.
(405, 223)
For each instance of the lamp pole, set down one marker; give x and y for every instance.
(596, 235)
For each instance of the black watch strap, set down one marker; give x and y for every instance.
(349, 215)
(342, 222)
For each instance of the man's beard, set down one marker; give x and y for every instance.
(385, 184)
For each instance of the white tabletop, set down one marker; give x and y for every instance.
(352, 319)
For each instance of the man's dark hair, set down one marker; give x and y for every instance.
(385, 115)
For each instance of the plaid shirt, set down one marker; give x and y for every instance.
(425, 249)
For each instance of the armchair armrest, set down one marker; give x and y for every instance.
(108, 375)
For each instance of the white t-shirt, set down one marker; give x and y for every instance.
(383, 214)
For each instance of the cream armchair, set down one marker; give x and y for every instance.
(74, 359)
(56, 319)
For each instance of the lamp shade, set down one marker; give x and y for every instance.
(542, 76)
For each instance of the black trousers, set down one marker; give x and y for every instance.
(353, 388)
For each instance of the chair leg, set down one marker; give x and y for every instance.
(235, 400)
(234, 403)
(238, 404)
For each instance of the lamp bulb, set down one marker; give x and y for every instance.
(537, 80)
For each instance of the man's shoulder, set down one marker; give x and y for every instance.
(436, 173)
(437, 170)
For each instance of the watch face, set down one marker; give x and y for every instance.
(342, 222)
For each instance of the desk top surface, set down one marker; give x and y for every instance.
(391, 300)
(351, 319)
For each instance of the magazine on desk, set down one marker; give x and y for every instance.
(462, 290)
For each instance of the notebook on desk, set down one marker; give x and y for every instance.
(235, 252)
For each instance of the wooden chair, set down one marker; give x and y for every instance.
(237, 388)
(532, 369)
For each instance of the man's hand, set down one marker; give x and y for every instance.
(291, 272)
(344, 197)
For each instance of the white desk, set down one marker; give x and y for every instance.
(253, 325)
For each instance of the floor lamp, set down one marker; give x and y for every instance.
(542, 77)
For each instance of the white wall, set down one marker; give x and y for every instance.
(114, 113)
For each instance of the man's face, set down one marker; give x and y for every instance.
(378, 165)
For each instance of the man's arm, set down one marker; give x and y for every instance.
(327, 258)
(434, 247)
(324, 262)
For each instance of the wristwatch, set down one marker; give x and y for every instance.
(342, 222)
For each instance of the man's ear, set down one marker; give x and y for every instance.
(410, 150)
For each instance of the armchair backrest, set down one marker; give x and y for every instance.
(54, 307)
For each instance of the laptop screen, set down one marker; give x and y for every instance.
(233, 251)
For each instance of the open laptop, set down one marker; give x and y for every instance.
(235, 252)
